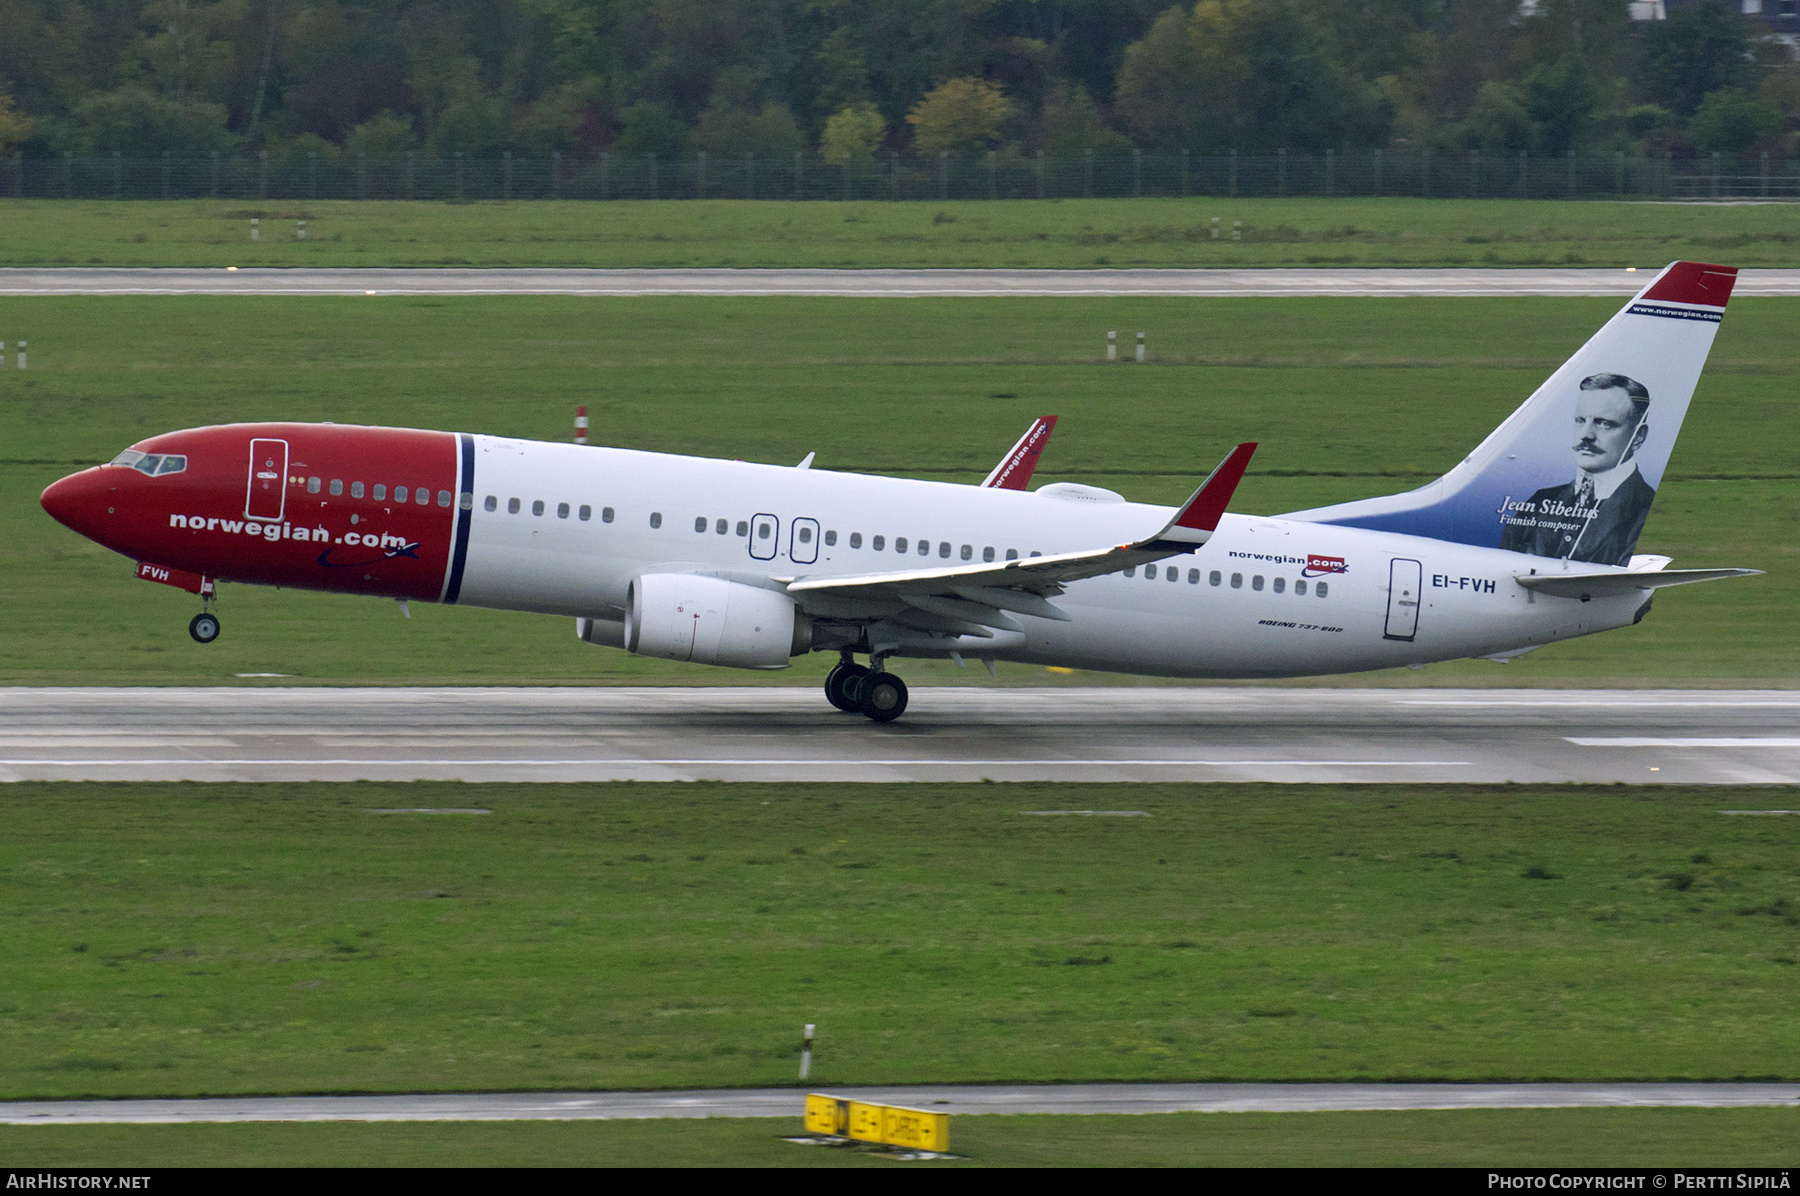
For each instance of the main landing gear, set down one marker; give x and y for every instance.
(874, 693)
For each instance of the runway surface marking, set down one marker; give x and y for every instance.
(1716, 741)
(971, 733)
(1219, 283)
(960, 1100)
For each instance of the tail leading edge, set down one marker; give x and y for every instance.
(1572, 472)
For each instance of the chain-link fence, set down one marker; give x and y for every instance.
(607, 176)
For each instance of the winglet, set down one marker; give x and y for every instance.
(1199, 517)
(1015, 469)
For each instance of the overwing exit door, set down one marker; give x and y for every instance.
(1404, 583)
(266, 497)
(765, 537)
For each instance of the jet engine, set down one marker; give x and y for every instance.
(709, 620)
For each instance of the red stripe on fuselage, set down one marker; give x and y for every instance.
(195, 520)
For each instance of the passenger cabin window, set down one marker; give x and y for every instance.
(1150, 572)
(925, 548)
(606, 514)
(1280, 585)
(512, 506)
(380, 491)
(968, 552)
(722, 526)
(1131, 572)
(443, 497)
(1300, 587)
(399, 493)
(764, 531)
(337, 487)
(492, 504)
(899, 543)
(1174, 573)
(586, 513)
(1194, 577)
(944, 548)
(562, 510)
(1212, 579)
(537, 506)
(1256, 583)
(1237, 581)
(830, 539)
(1322, 589)
(700, 523)
(856, 539)
(987, 554)
(806, 535)
(356, 489)
(656, 519)
(312, 485)
(1012, 554)
(743, 527)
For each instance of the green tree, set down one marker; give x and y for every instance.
(1697, 51)
(15, 126)
(1499, 122)
(650, 128)
(1072, 125)
(136, 120)
(1560, 98)
(188, 50)
(961, 116)
(1256, 74)
(1731, 120)
(853, 132)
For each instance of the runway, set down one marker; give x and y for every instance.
(860, 283)
(1160, 733)
(955, 1099)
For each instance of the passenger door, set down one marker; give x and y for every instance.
(803, 545)
(266, 497)
(1404, 583)
(765, 537)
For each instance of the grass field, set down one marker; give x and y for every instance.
(178, 939)
(1348, 397)
(1501, 1138)
(1061, 233)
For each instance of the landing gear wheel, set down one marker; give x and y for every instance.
(841, 683)
(882, 696)
(204, 628)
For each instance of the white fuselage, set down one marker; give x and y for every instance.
(1274, 609)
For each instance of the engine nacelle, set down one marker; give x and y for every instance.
(708, 620)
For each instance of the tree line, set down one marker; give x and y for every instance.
(851, 78)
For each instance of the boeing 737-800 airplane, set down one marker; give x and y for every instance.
(1529, 540)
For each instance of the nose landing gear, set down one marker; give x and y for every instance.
(874, 693)
(204, 627)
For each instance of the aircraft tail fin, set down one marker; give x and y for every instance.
(1572, 472)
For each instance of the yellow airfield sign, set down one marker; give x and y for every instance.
(889, 1125)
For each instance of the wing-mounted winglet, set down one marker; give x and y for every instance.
(1199, 517)
(1015, 469)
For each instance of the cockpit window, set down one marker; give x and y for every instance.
(151, 465)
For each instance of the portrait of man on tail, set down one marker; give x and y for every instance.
(1595, 516)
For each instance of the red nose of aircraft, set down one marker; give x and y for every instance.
(83, 502)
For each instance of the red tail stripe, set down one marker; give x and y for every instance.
(1694, 282)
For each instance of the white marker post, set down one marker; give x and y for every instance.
(1112, 346)
(1215, 228)
(806, 1052)
(581, 425)
(255, 229)
(300, 233)
(2, 355)
(1237, 230)
(21, 354)
(1140, 347)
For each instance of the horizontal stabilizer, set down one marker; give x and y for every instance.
(1607, 585)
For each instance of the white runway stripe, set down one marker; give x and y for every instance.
(1716, 741)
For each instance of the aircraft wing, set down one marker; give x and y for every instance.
(1014, 470)
(1607, 585)
(969, 599)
